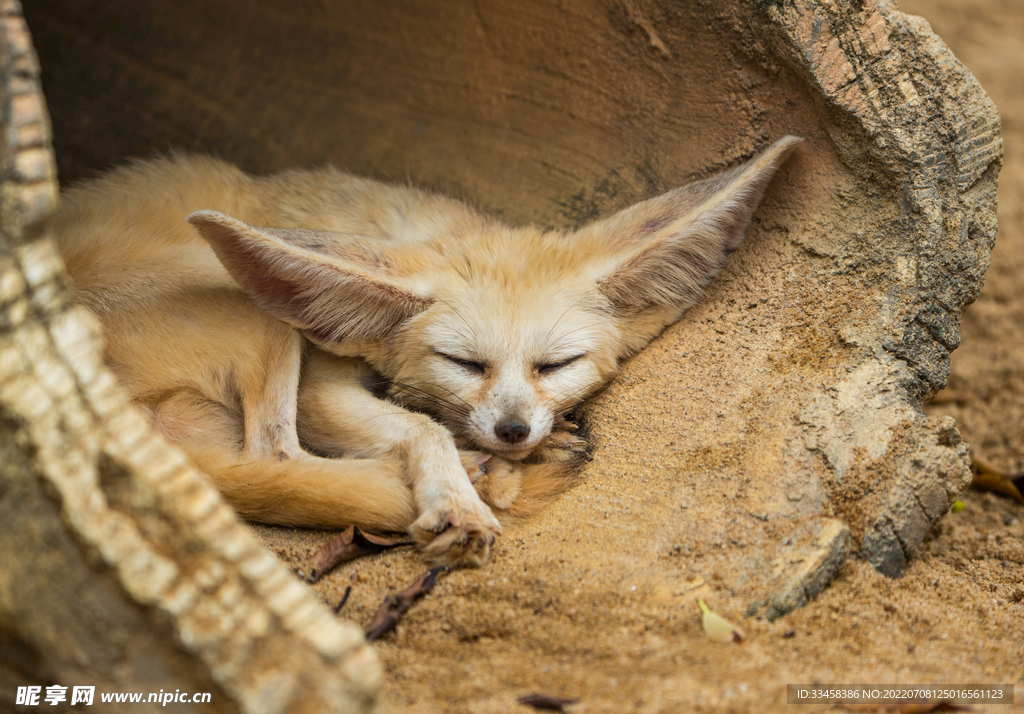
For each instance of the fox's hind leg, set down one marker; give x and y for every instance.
(243, 436)
(270, 396)
(301, 490)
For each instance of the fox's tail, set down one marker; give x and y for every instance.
(310, 491)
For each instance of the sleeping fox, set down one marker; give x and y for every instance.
(332, 351)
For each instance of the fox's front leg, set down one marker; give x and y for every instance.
(338, 414)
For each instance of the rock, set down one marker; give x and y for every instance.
(807, 562)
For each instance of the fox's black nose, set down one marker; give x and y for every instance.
(512, 431)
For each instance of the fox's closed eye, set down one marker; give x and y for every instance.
(475, 367)
(552, 367)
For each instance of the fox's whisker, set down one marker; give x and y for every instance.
(426, 397)
(465, 406)
(468, 406)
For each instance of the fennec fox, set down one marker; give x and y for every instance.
(254, 318)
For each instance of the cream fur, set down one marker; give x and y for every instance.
(256, 334)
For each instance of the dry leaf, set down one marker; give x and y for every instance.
(352, 543)
(546, 701)
(396, 604)
(717, 628)
(990, 479)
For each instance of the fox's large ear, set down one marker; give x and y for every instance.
(334, 287)
(666, 250)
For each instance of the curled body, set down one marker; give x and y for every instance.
(331, 350)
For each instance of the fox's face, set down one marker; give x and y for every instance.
(500, 361)
(497, 331)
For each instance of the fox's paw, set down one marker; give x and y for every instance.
(559, 446)
(475, 463)
(497, 481)
(456, 546)
(457, 537)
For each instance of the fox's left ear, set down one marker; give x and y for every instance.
(335, 287)
(664, 251)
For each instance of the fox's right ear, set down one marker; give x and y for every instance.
(334, 287)
(661, 253)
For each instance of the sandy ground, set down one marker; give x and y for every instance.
(533, 620)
